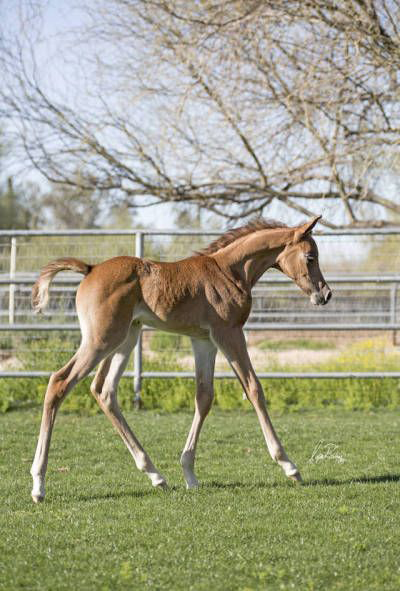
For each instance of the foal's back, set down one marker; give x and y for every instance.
(182, 295)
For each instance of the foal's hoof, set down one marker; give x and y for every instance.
(192, 485)
(296, 478)
(191, 482)
(37, 498)
(161, 485)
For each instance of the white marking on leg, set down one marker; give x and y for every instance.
(187, 463)
(275, 448)
(38, 489)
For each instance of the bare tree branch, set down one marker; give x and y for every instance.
(233, 106)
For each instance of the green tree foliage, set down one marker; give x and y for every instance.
(14, 211)
(72, 207)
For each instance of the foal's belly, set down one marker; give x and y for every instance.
(180, 326)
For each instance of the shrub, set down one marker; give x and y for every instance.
(173, 394)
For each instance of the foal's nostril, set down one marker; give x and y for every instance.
(328, 296)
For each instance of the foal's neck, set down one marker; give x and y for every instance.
(250, 256)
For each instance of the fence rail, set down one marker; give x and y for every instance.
(367, 301)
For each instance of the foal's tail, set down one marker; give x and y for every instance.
(40, 291)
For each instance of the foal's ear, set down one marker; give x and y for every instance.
(306, 228)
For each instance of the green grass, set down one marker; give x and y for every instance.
(291, 344)
(102, 527)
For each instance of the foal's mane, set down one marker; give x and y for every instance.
(232, 235)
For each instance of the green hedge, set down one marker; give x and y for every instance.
(173, 394)
(178, 393)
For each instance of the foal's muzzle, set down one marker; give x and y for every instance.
(322, 297)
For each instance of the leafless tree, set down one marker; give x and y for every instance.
(234, 106)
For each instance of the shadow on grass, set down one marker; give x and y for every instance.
(323, 482)
(140, 494)
(237, 485)
(216, 485)
(132, 494)
(360, 480)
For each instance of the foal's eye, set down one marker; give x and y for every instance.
(309, 258)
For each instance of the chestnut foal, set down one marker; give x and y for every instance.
(206, 296)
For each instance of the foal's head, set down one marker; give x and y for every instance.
(299, 261)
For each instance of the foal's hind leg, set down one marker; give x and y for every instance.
(104, 389)
(232, 343)
(60, 384)
(204, 352)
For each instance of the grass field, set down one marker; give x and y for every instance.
(103, 527)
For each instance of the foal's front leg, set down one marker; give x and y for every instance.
(204, 353)
(233, 344)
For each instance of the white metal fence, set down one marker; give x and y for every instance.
(360, 265)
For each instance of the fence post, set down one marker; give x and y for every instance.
(137, 355)
(393, 315)
(13, 268)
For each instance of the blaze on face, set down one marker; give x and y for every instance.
(299, 261)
